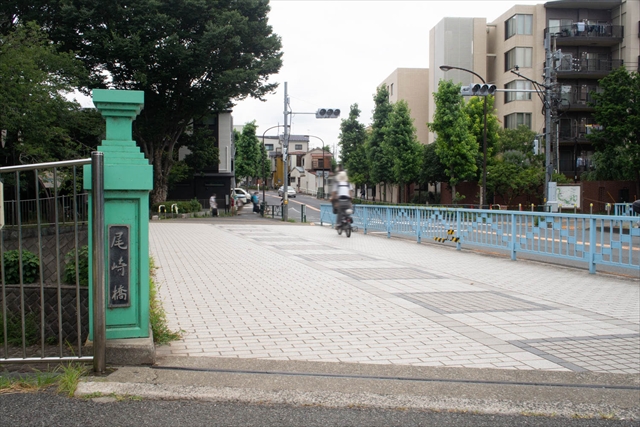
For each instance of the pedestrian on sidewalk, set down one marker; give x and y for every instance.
(213, 205)
(256, 202)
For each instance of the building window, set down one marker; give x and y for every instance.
(518, 24)
(298, 147)
(268, 147)
(512, 121)
(391, 90)
(517, 96)
(520, 56)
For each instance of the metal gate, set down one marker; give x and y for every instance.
(44, 256)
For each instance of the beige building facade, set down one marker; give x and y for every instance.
(412, 85)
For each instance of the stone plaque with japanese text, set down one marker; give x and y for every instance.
(119, 277)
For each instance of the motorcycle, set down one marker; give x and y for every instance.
(345, 223)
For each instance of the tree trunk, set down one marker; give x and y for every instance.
(453, 194)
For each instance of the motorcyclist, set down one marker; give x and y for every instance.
(341, 195)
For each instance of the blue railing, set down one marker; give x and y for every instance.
(593, 239)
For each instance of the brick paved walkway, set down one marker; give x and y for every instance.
(298, 292)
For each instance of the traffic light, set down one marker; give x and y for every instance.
(327, 113)
(478, 89)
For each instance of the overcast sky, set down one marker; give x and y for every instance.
(337, 52)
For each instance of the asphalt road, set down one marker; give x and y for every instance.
(45, 408)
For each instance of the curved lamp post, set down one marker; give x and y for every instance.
(263, 171)
(323, 162)
(483, 195)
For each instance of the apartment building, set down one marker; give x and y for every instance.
(588, 39)
(412, 85)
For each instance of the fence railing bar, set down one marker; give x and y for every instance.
(40, 266)
(77, 261)
(49, 165)
(51, 359)
(57, 228)
(21, 269)
(5, 334)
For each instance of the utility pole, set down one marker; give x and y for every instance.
(285, 155)
(548, 168)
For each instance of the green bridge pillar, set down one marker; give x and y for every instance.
(128, 178)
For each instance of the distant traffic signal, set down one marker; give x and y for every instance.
(327, 113)
(478, 89)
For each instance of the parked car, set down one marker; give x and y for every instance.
(242, 195)
(291, 192)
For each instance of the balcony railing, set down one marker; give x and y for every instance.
(577, 97)
(589, 65)
(578, 32)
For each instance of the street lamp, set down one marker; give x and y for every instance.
(323, 163)
(483, 196)
(264, 174)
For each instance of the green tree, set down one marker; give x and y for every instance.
(515, 170)
(431, 170)
(379, 164)
(401, 146)
(352, 139)
(475, 110)
(247, 158)
(617, 144)
(40, 123)
(192, 58)
(455, 144)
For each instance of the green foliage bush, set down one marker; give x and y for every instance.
(183, 206)
(30, 266)
(83, 266)
(14, 329)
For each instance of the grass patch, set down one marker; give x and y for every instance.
(65, 377)
(157, 316)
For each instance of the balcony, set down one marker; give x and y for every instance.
(577, 97)
(580, 34)
(576, 130)
(575, 68)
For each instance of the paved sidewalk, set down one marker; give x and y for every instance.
(278, 313)
(272, 291)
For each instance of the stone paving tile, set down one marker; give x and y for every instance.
(225, 286)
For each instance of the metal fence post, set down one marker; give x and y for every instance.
(592, 245)
(99, 320)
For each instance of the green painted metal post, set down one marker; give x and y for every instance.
(128, 178)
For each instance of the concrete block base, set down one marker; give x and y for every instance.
(129, 351)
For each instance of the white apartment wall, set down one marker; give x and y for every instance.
(628, 14)
(225, 144)
(458, 42)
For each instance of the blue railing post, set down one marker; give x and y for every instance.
(418, 226)
(514, 237)
(459, 229)
(388, 222)
(592, 245)
(365, 211)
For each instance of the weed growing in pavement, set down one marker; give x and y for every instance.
(157, 316)
(69, 377)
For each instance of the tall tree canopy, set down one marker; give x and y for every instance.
(401, 147)
(247, 158)
(192, 58)
(456, 146)
(40, 124)
(379, 164)
(351, 140)
(617, 144)
(475, 110)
